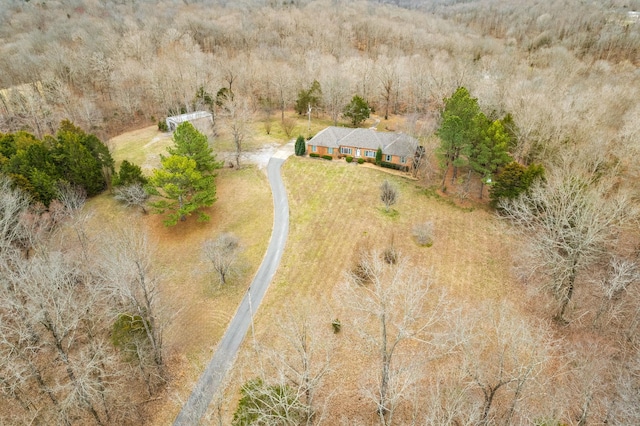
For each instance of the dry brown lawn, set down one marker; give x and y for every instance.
(335, 207)
(142, 147)
(198, 308)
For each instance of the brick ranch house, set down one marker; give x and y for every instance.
(338, 142)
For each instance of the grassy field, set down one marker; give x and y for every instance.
(199, 310)
(335, 207)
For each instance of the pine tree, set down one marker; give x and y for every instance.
(186, 179)
(357, 110)
(82, 159)
(488, 152)
(183, 187)
(457, 130)
(309, 98)
(190, 143)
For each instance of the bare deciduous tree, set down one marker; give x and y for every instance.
(71, 196)
(621, 273)
(288, 125)
(62, 361)
(388, 194)
(222, 254)
(307, 359)
(423, 233)
(389, 80)
(13, 204)
(133, 195)
(269, 404)
(127, 270)
(396, 306)
(335, 96)
(238, 116)
(502, 354)
(625, 408)
(570, 219)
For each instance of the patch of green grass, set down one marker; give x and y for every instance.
(391, 213)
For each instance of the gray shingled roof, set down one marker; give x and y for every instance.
(391, 143)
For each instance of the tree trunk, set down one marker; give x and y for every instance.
(488, 400)
(384, 379)
(146, 312)
(71, 374)
(386, 106)
(567, 298)
(183, 217)
(444, 177)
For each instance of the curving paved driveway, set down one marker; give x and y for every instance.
(225, 354)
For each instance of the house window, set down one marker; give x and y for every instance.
(403, 160)
(314, 148)
(330, 151)
(370, 154)
(388, 158)
(344, 150)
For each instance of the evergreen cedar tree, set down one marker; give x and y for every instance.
(309, 98)
(357, 110)
(513, 180)
(40, 166)
(261, 403)
(487, 153)
(129, 174)
(300, 147)
(186, 180)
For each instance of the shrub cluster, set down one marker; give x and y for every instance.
(40, 167)
(390, 255)
(314, 155)
(349, 158)
(394, 166)
(423, 233)
(360, 160)
(328, 157)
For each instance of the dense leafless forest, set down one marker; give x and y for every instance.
(566, 70)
